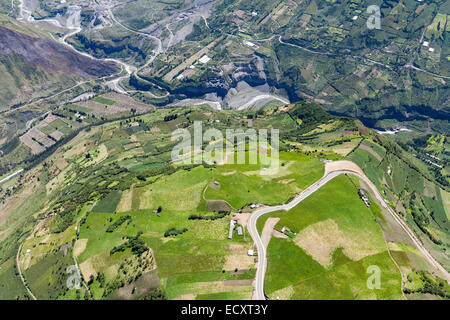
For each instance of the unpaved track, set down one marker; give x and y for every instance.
(20, 273)
(332, 170)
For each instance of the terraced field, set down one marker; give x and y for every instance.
(141, 226)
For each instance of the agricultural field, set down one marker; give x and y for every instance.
(114, 200)
(324, 248)
(140, 226)
(407, 185)
(333, 242)
(321, 52)
(97, 101)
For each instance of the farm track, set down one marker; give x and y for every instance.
(21, 275)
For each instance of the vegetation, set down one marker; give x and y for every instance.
(174, 232)
(136, 245)
(137, 221)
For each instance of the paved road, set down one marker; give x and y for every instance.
(262, 259)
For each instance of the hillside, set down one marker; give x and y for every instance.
(33, 66)
(141, 226)
(322, 51)
(224, 149)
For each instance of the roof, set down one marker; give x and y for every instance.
(204, 59)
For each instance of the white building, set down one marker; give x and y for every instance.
(230, 232)
(204, 59)
(249, 44)
(250, 252)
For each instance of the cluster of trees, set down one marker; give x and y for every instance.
(221, 215)
(170, 117)
(155, 294)
(136, 244)
(118, 223)
(438, 287)
(174, 232)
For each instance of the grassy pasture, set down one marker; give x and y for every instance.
(241, 185)
(10, 286)
(104, 101)
(296, 269)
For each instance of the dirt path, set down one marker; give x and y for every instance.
(267, 230)
(21, 275)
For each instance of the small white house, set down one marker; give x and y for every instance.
(355, 18)
(431, 49)
(250, 252)
(426, 43)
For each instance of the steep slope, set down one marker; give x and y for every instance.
(323, 50)
(33, 66)
(117, 182)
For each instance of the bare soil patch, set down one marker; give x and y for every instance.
(244, 282)
(371, 151)
(267, 230)
(80, 246)
(217, 205)
(321, 239)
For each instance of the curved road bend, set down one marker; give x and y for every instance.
(262, 258)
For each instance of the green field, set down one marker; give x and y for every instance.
(143, 221)
(307, 267)
(11, 287)
(104, 101)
